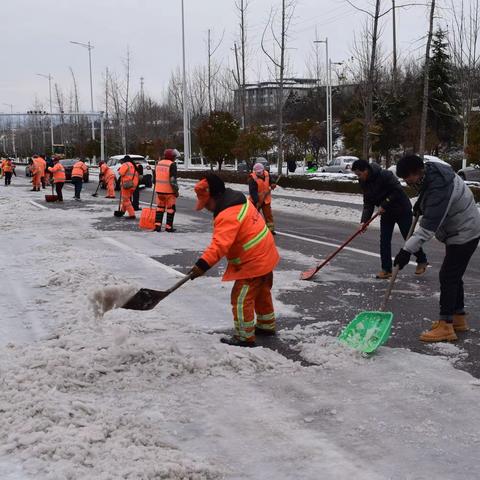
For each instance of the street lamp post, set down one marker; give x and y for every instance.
(186, 130)
(89, 47)
(327, 99)
(14, 148)
(49, 78)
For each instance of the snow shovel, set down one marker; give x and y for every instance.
(119, 213)
(96, 191)
(147, 217)
(52, 197)
(309, 274)
(369, 330)
(146, 299)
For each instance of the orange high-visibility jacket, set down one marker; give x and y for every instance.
(41, 165)
(162, 177)
(240, 234)
(79, 169)
(106, 172)
(128, 172)
(264, 188)
(7, 166)
(58, 171)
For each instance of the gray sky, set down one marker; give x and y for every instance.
(36, 35)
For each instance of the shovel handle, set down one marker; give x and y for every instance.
(397, 268)
(185, 279)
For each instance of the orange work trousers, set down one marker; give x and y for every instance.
(37, 180)
(250, 297)
(110, 184)
(126, 206)
(266, 209)
(166, 202)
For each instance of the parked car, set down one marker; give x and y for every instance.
(342, 164)
(426, 158)
(471, 174)
(28, 173)
(244, 167)
(68, 164)
(115, 162)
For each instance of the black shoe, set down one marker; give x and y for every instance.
(131, 218)
(265, 333)
(170, 230)
(158, 228)
(236, 342)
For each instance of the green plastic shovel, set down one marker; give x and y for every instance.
(369, 330)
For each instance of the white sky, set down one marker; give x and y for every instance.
(36, 35)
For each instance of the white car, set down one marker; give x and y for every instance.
(115, 162)
(342, 164)
(426, 158)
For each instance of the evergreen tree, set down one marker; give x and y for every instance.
(444, 104)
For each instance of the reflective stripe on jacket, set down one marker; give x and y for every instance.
(79, 169)
(263, 187)
(7, 166)
(240, 234)
(162, 177)
(58, 171)
(128, 173)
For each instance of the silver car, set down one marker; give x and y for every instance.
(471, 174)
(342, 164)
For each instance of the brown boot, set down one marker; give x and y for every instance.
(383, 275)
(441, 332)
(421, 268)
(460, 323)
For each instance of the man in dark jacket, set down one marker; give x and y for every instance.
(450, 214)
(381, 189)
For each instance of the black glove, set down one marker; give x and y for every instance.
(402, 258)
(417, 209)
(196, 272)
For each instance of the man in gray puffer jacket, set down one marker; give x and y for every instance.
(451, 215)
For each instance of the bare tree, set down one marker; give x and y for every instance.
(277, 56)
(464, 36)
(242, 7)
(426, 78)
(213, 68)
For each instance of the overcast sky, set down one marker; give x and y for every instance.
(36, 35)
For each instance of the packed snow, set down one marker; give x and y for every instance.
(95, 392)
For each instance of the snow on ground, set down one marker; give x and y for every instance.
(150, 395)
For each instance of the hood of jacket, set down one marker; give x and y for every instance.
(228, 199)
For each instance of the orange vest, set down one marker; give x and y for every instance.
(106, 172)
(7, 166)
(43, 165)
(162, 177)
(58, 171)
(264, 189)
(128, 173)
(39, 166)
(240, 234)
(79, 169)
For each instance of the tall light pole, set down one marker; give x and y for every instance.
(186, 121)
(14, 148)
(49, 78)
(89, 47)
(327, 99)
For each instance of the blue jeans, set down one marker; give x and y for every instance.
(387, 224)
(77, 183)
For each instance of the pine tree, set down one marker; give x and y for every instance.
(444, 104)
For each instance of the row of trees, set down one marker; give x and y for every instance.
(381, 106)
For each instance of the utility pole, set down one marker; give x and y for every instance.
(12, 131)
(49, 78)
(186, 132)
(394, 22)
(327, 99)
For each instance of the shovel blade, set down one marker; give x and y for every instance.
(308, 275)
(145, 299)
(367, 331)
(118, 213)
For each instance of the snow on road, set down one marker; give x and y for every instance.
(150, 395)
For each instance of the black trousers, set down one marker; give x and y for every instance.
(77, 183)
(451, 273)
(136, 199)
(58, 188)
(8, 178)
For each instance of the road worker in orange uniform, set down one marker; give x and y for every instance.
(108, 178)
(78, 171)
(260, 185)
(128, 181)
(166, 188)
(42, 163)
(8, 169)
(241, 235)
(58, 173)
(35, 170)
